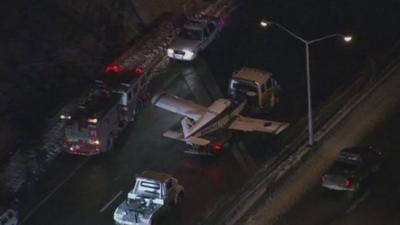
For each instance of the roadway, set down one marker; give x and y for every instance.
(80, 190)
(376, 204)
(302, 199)
(89, 189)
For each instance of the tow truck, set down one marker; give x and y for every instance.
(195, 36)
(152, 193)
(258, 86)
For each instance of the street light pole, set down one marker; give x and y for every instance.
(309, 111)
(307, 43)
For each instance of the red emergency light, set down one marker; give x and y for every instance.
(139, 71)
(218, 148)
(113, 68)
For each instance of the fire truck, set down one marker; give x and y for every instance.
(112, 102)
(116, 97)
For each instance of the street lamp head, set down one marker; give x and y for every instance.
(347, 38)
(264, 23)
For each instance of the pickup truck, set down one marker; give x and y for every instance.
(152, 193)
(351, 168)
(194, 37)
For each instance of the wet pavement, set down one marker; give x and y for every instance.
(58, 187)
(302, 200)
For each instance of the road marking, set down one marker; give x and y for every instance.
(111, 201)
(358, 202)
(30, 213)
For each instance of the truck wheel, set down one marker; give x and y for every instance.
(178, 199)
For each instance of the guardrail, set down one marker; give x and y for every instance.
(228, 211)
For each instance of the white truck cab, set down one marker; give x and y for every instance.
(256, 85)
(153, 191)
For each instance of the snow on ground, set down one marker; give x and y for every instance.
(31, 161)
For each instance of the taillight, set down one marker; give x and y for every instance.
(113, 69)
(348, 182)
(139, 70)
(218, 148)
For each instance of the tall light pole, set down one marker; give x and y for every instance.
(265, 23)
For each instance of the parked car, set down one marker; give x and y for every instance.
(195, 36)
(351, 168)
(9, 217)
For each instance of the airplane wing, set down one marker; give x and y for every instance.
(249, 124)
(178, 105)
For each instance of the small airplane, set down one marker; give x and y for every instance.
(199, 121)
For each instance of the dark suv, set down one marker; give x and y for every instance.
(352, 166)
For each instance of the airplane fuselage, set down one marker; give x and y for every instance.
(221, 120)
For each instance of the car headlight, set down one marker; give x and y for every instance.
(94, 142)
(189, 54)
(170, 51)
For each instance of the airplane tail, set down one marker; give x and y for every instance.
(186, 126)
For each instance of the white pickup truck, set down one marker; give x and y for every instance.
(152, 193)
(195, 36)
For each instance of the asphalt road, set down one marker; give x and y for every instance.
(374, 123)
(91, 188)
(80, 190)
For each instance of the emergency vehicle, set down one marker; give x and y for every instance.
(112, 102)
(116, 97)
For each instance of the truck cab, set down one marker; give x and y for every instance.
(90, 128)
(257, 86)
(194, 37)
(153, 191)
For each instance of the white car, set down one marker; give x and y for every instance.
(195, 36)
(9, 217)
